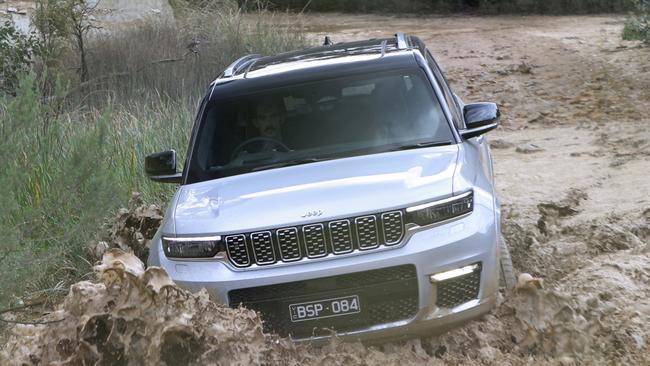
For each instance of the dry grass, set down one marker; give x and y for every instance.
(177, 59)
(69, 160)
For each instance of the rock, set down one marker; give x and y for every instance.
(524, 68)
(528, 148)
(500, 144)
(527, 281)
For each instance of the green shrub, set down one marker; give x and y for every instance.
(637, 26)
(442, 6)
(178, 59)
(61, 178)
(16, 56)
(72, 153)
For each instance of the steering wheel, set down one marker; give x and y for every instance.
(271, 140)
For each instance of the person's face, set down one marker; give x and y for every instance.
(269, 120)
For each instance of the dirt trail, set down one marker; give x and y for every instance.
(572, 161)
(572, 165)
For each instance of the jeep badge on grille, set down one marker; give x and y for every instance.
(312, 213)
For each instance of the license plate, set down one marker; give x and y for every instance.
(325, 308)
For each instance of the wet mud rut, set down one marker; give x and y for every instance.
(572, 163)
(572, 168)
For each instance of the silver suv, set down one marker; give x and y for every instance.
(343, 187)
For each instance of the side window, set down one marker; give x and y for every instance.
(456, 113)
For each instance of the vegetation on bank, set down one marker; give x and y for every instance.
(73, 139)
(443, 6)
(637, 26)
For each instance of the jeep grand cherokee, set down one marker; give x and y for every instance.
(342, 187)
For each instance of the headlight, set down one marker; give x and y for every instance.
(432, 212)
(192, 247)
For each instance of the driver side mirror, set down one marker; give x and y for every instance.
(161, 167)
(479, 119)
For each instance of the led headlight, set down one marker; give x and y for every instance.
(432, 212)
(192, 247)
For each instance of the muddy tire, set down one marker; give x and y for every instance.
(507, 278)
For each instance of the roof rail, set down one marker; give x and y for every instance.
(401, 40)
(232, 69)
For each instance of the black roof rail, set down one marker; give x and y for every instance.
(232, 69)
(401, 40)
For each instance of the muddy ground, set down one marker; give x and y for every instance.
(572, 162)
(572, 167)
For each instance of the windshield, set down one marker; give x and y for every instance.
(316, 121)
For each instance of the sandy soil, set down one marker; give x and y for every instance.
(577, 203)
(572, 165)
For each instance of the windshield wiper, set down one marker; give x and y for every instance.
(282, 164)
(420, 145)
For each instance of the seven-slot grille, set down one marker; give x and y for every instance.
(315, 240)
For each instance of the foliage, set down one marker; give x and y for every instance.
(61, 23)
(16, 56)
(73, 152)
(172, 59)
(637, 25)
(62, 177)
(554, 6)
(442, 6)
(51, 22)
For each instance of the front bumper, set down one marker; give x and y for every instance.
(431, 250)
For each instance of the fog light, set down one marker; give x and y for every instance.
(443, 276)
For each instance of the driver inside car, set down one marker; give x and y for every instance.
(266, 122)
(269, 118)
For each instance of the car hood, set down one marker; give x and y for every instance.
(328, 190)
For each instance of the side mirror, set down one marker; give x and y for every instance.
(479, 119)
(161, 167)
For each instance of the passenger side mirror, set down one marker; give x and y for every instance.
(161, 167)
(479, 119)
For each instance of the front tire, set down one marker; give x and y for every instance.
(507, 278)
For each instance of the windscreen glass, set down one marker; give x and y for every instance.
(322, 120)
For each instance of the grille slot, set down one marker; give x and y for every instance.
(386, 295)
(315, 240)
(263, 247)
(393, 227)
(341, 236)
(237, 250)
(459, 290)
(367, 232)
(289, 244)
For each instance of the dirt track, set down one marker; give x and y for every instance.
(576, 211)
(576, 205)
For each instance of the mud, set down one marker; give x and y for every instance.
(131, 229)
(576, 215)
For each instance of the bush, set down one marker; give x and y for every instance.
(16, 51)
(637, 26)
(442, 6)
(72, 154)
(555, 6)
(63, 175)
(178, 59)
